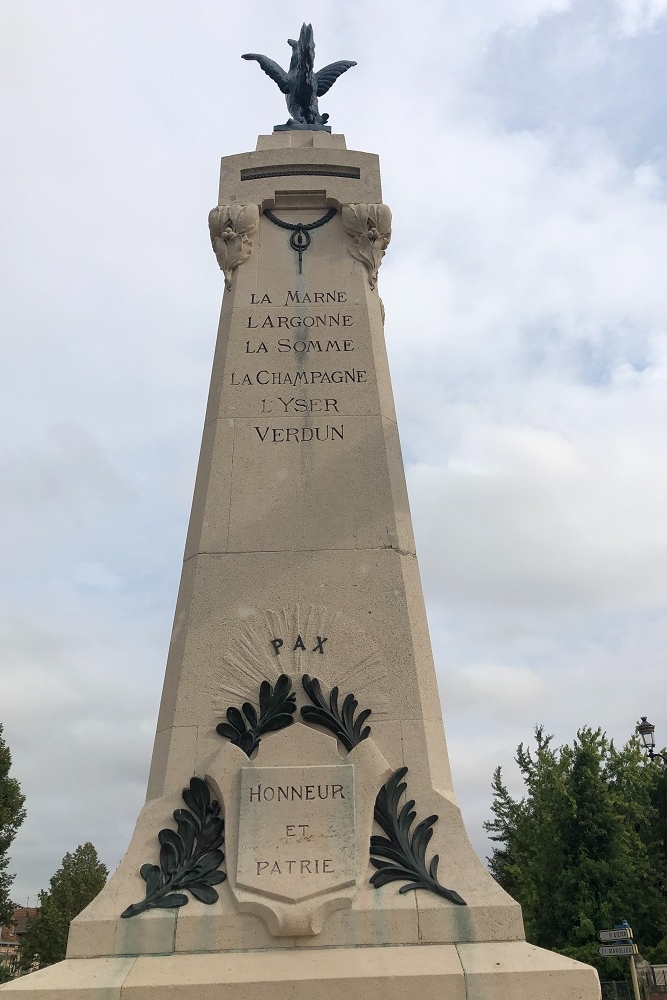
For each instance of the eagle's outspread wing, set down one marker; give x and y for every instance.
(325, 78)
(272, 69)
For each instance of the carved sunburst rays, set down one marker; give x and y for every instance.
(350, 657)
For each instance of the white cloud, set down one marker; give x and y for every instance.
(636, 16)
(489, 689)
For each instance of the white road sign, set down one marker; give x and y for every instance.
(617, 950)
(616, 934)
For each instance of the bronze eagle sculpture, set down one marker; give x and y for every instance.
(301, 85)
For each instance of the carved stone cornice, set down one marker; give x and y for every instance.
(231, 227)
(369, 229)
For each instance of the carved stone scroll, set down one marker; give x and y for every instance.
(369, 227)
(231, 226)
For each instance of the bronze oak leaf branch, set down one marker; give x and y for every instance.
(245, 727)
(190, 856)
(341, 722)
(401, 855)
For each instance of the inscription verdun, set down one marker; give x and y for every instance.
(296, 830)
(315, 313)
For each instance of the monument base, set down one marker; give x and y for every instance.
(299, 127)
(485, 971)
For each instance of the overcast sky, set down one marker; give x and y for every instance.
(523, 157)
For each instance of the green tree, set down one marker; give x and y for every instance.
(6, 974)
(585, 846)
(12, 815)
(76, 883)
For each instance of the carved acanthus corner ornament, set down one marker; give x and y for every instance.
(231, 227)
(369, 227)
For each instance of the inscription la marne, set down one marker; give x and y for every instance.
(303, 346)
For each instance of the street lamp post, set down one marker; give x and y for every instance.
(646, 730)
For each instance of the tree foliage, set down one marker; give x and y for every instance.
(586, 845)
(6, 973)
(12, 815)
(75, 884)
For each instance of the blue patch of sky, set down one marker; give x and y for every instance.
(589, 359)
(574, 71)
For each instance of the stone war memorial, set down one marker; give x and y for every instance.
(300, 838)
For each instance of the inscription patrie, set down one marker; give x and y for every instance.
(296, 830)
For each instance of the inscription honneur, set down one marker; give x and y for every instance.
(296, 830)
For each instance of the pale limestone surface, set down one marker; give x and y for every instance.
(300, 532)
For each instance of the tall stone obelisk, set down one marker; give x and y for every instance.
(300, 683)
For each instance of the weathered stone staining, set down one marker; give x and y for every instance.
(300, 564)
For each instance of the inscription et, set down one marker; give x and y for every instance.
(296, 830)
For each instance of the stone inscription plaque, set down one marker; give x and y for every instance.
(296, 830)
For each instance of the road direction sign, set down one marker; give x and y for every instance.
(617, 950)
(616, 934)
